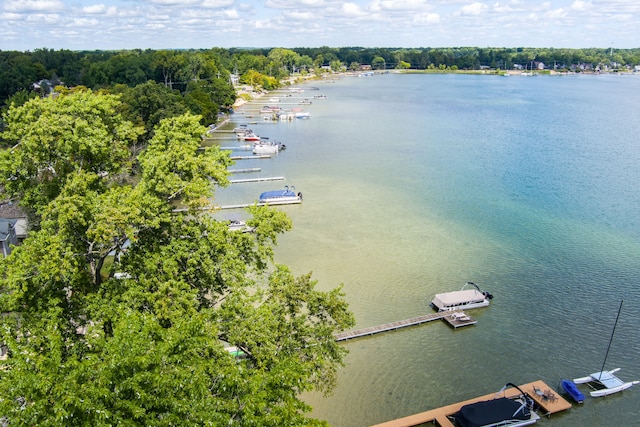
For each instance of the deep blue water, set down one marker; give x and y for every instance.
(415, 184)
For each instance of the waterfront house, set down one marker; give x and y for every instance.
(8, 236)
(13, 226)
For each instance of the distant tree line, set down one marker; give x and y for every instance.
(202, 77)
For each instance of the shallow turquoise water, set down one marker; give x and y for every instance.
(415, 184)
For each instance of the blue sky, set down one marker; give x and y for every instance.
(158, 24)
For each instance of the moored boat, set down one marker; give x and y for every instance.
(605, 383)
(500, 411)
(268, 147)
(250, 136)
(241, 130)
(280, 197)
(572, 390)
(270, 109)
(239, 225)
(463, 299)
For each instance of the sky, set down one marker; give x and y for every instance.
(26, 25)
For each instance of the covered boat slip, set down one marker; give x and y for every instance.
(440, 416)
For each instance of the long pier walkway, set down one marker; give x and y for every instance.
(454, 318)
(548, 401)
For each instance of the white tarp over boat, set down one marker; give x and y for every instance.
(461, 300)
(459, 297)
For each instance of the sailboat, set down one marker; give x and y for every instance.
(604, 382)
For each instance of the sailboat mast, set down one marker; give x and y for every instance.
(611, 339)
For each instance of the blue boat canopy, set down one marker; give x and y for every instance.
(285, 192)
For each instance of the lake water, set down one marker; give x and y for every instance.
(415, 184)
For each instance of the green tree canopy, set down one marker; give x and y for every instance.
(54, 137)
(147, 347)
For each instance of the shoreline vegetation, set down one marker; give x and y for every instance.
(204, 70)
(245, 94)
(99, 150)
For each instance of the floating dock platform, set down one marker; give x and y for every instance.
(548, 402)
(455, 319)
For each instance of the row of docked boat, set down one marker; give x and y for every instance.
(261, 145)
(520, 409)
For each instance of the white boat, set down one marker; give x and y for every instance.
(605, 383)
(463, 299)
(267, 147)
(241, 130)
(270, 109)
(250, 136)
(287, 195)
(239, 225)
(303, 115)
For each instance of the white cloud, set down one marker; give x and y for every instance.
(43, 18)
(231, 14)
(217, 4)
(95, 9)
(555, 14)
(474, 9)
(581, 6)
(352, 10)
(45, 6)
(91, 23)
(114, 12)
(11, 16)
(295, 4)
(427, 18)
(158, 17)
(300, 16)
(174, 2)
(122, 24)
(397, 5)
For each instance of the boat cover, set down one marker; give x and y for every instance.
(277, 193)
(571, 388)
(490, 412)
(458, 297)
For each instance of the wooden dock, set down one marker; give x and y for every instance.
(246, 205)
(238, 148)
(246, 170)
(455, 319)
(263, 179)
(548, 401)
(257, 156)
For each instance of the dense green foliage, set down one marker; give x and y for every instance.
(176, 69)
(87, 347)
